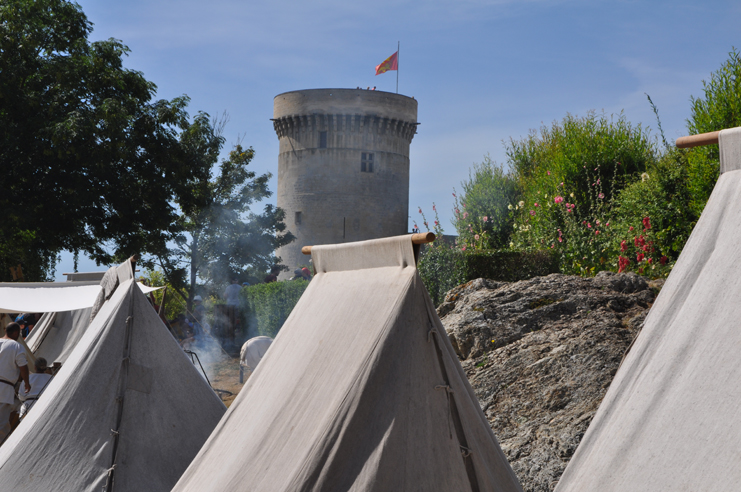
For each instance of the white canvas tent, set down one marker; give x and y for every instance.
(670, 419)
(67, 308)
(127, 412)
(360, 391)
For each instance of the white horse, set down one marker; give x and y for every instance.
(252, 352)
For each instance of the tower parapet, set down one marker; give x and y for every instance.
(343, 165)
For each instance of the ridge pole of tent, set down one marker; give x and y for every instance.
(698, 140)
(418, 238)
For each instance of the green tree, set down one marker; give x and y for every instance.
(481, 215)
(222, 237)
(91, 162)
(719, 108)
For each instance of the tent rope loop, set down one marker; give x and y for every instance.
(466, 452)
(445, 387)
(111, 470)
(115, 433)
(430, 333)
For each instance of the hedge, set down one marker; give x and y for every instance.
(267, 306)
(442, 269)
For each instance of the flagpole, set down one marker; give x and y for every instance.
(398, 46)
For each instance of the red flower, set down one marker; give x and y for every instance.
(630, 228)
(650, 260)
(646, 223)
(623, 263)
(639, 257)
(623, 245)
(663, 260)
(558, 199)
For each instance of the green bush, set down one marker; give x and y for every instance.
(610, 149)
(267, 306)
(720, 108)
(662, 197)
(443, 267)
(481, 214)
(508, 266)
(569, 174)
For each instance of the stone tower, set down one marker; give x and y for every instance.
(343, 166)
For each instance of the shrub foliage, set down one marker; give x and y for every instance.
(267, 306)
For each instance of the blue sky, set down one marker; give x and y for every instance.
(483, 71)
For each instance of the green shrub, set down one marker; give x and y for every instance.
(267, 306)
(441, 269)
(481, 214)
(662, 197)
(569, 174)
(508, 266)
(720, 108)
(445, 267)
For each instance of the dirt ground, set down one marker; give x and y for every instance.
(224, 375)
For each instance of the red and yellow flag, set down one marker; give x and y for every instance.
(390, 63)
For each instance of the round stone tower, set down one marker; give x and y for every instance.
(343, 166)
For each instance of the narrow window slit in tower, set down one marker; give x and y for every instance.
(322, 140)
(297, 218)
(366, 162)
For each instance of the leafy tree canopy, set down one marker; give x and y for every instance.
(222, 237)
(90, 161)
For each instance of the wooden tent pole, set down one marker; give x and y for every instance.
(418, 238)
(698, 140)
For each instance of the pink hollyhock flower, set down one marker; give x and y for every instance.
(558, 199)
(437, 223)
(535, 204)
(532, 212)
(553, 245)
(589, 225)
(561, 183)
(598, 181)
(476, 237)
(622, 263)
(486, 218)
(601, 195)
(650, 260)
(457, 211)
(607, 224)
(454, 195)
(549, 173)
(433, 208)
(420, 210)
(596, 233)
(570, 210)
(465, 215)
(559, 239)
(639, 257)
(463, 248)
(623, 245)
(630, 228)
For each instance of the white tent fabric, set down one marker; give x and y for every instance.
(251, 354)
(57, 334)
(669, 420)
(127, 406)
(360, 391)
(48, 297)
(44, 297)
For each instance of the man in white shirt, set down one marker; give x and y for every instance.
(12, 364)
(39, 380)
(231, 293)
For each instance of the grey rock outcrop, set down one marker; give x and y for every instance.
(540, 355)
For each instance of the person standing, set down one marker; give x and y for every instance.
(12, 364)
(231, 294)
(39, 380)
